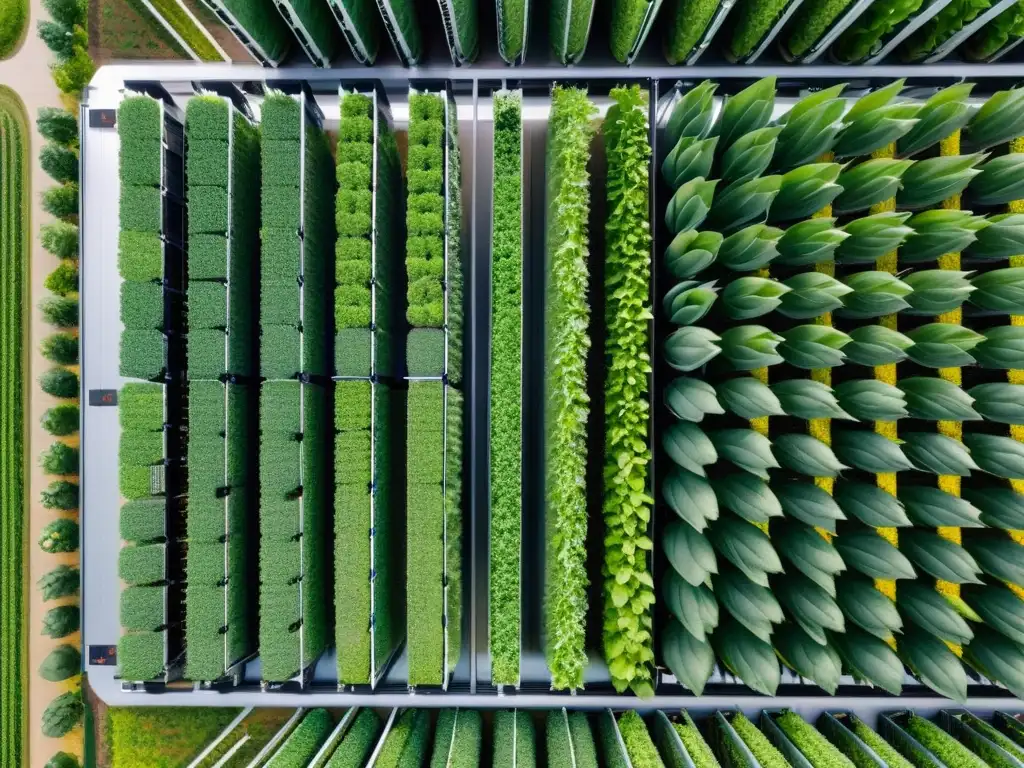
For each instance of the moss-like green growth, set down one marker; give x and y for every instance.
(512, 27)
(358, 742)
(881, 747)
(570, 739)
(303, 743)
(813, 20)
(950, 751)
(696, 747)
(457, 739)
(758, 744)
(506, 390)
(1003, 29)
(809, 740)
(687, 22)
(994, 735)
(865, 35)
(639, 745)
(570, 28)
(514, 740)
(754, 19)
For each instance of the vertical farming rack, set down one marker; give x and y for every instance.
(310, 103)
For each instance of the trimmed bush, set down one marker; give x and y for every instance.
(567, 317)
(63, 760)
(59, 162)
(59, 382)
(62, 714)
(64, 279)
(57, 125)
(61, 239)
(69, 12)
(61, 621)
(60, 311)
(63, 662)
(60, 459)
(60, 494)
(62, 581)
(60, 535)
(58, 38)
(61, 420)
(73, 75)
(61, 348)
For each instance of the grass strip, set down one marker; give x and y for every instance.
(628, 585)
(567, 317)
(512, 29)
(358, 742)
(506, 390)
(754, 20)
(627, 26)
(175, 15)
(945, 747)
(814, 746)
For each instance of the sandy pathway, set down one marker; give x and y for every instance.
(28, 73)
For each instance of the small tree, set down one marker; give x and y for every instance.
(59, 382)
(62, 621)
(63, 662)
(59, 125)
(70, 12)
(59, 162)
(60, 535)
(63, 760)
(61, 348)
(64, 279)
(61, 420)
(62, 202)
(61, 311)
(60, 494)
(62, 714)
(61, 239)
(62, 581)
(75, 73)
(60, 459)
(58, 37)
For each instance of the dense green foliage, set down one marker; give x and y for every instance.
(688, 21)
(457, 739)
(262, 24)
(627, 25)
(566, 409)
(639, 746)
(812, 20)
(61, 621)
(174, 15)
(513, 27)
(62, 581)
(506, 390)
(570, 740)
(938, 29)
(14, 307)
(815, 747)
(569, 28)
(402, 20)
(755, 19)
(302, 743)
(1005, 28)
(295, 434)
(169, 737)
(13, 18)
(314, 27)
(360, 22)
(514, 740)
(358, 742)
(223, 153)
(628, 585)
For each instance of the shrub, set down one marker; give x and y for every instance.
(61, 239)
(59, 162)
(59, 382)
(57, 125)
(64, 279)
(60, 494)
(63, 760)
(62, 581)
(60, 311)
(69, 12)
(63, 662)
(60, 535)
(60, 348)
(61, 621)
(58, 37)
(567, 320)
(62, 714)
(62, 202)
(61, 420)
(60, 459)
(74, 74)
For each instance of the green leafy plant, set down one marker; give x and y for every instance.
(303, 743)
(639, 745)
(61, 621)
(941, 27)
(62, 714)
(60, 494)
(62, 662)
(62, 581)
(865, 35)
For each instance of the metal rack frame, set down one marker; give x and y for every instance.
(472, 88)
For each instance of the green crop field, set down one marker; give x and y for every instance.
(14, 239)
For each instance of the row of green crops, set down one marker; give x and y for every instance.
(174, 14)
(434, 361)
(846, 469)
(223, 171)
(142, 405)
(506, 389)
(262, 26)
(295, 441)
(368, 407)
(628, 586)
(14, 224)
(566, 408)
(314, 28)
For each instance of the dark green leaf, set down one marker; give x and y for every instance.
(748, 398)
(869, 553)
(690, 399)
(938, 454)
(689, 553)
(939, 557)
(869, 451)
(870, 504)
(691, 497)
(808, 503)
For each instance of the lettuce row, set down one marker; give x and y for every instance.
(941, 27)
(141, 406)
(867, 34)
(567, 316)
(628, 586)
(1005, 28)
(295, 425)
(221, 343)
(506, 390)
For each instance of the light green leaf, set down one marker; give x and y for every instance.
(876, 558)
(690, 347)
(691, 252)
(997, 454)
(690, 205)
(808, 503)
(690, 496)
(750, 248)
(688, 446)
(689, 301)
(748, 297)
(691, 399)
(871, 237)
(936, 291)
(874, 294)
(813, 346)
(876, 345)
(747, 496)
(812, 294)
(929, 182)
(693, 115)
(1002, 238)
(869, 451)
(939, 232)
(869, 183)
(809, 128)
(998, 121)
(747, 111)
(877, 125)
(749, 155)
(742, 204)
(1000, 290)
(871, 400)
(748, 398)
(691, 158)
(748, 347)
(1001, 181)
(943, 114)
(684, 601)
(1003, 347)
(943, 345)
(808, 399)
(689, 553)
(804, 191)
(934, 508)
(870, 504)
(747, 449)
(813, 241)
(934, 399)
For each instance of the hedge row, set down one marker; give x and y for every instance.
(506, 389)
(223, 153)
(295, 445)
(366, 295)
(141, 650)
(567, 316)
(434, 428)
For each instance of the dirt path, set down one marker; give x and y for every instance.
(28, 73)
